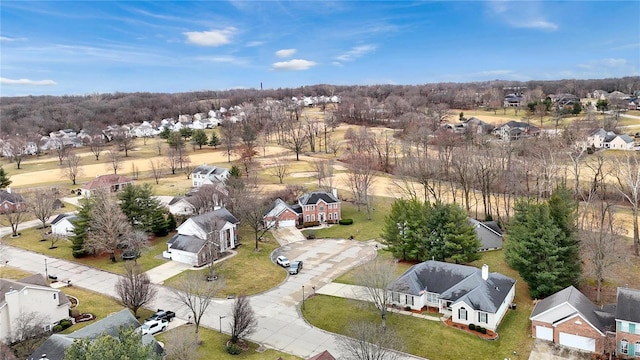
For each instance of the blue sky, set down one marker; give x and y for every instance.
(83, 47)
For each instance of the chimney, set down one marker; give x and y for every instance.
(8, 189)
(485, 272)
(334, 191)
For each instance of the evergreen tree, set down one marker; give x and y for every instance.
(199, 138)
(165, 133)
(139, 205)
(159, 224)
(563, 211)
(532, 248)
(215, 141)
(404, 229)
(235, 172)
(81, 225)
(171, 222)
(461, 241)
(4, 179)
(186, 132)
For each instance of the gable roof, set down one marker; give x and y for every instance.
(626, 138)
(628, 305)
(70, 217)
(188, 243)
(55, 346)
(279, 206)
(455, 283)
(596, 316)
(103, 181)
(10, 197)
(34, 281)
(204, 220)
(312, 198)
(488, 233)
(325, 355)
(209, 170)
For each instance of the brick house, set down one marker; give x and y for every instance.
(628, 322)
(109, 183)
(10, 202)
(312, 208)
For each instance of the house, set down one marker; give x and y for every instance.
(180, 205)
(10, 202)
(208, 174)
(570, 319)
(325, 355)
(191, 244)
(512, 100)
(621, 142)
(478, 126)
(489, 234)
(109, 183)
(63, 224)
(33, 297)
(317, 207)
(468, 294)
(513, 130)
(598, 138)
(627, 318)
(56, 345)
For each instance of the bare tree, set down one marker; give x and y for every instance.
(15, 150)
(60, 148)
(196, 294)
(52, 238)
(28, 330)
(96, 146)
(243, 319)
(360, 178)
(182, 344)
(229, 134)
(295, 137)
(15, 215)
(367, 341)
(41, 204)
(207, 198)
(187, 167)
(173, 159)
(6, 353)
(628, 184)
(114, 160)
(72, 169)
(156, 170)
(159, 147)
(124, 141)
(600, 239)
(109, 226)
(375, 278)
(250, 210)
(324, 174)
(280, 169)
(134, 288)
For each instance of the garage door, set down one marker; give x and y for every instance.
(283, 223)
(578, 342)
(544, 333)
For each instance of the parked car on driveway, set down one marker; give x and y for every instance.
(282, 261)
(295, 267)
(153, 327)
(162, 315)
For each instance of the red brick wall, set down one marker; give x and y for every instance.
(538, 323)
(584, 329)
(317, 211)
(631, 338)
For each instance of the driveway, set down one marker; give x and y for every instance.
(546, 350)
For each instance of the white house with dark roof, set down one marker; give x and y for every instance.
(32, 296)
(602, 139)
(55, 346)
(63, 225)
(468, 294)
(208, 174)
(191, 244)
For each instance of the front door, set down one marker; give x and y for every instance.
(321, 217)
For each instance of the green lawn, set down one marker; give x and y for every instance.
(30, 240)
(350, 276)
(361, 229)
(249, 272)
(11, 273)
(213, 347)
(432, 339)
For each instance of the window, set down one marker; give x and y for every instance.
(321, 208)
(335, 216)
(462, 314)
(624, 326)
(432, 298)
(329, 216)
(308, 218)
(395, 297)
(55, 296)
(313, 217)
(482, 317)
(624, 347)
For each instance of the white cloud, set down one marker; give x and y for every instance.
(337, 63)
(28, 82)
(285, 53)
(255, 43)
(211, 37)
(356, 52)
(8, 39)
(293, 65)
(521, 14)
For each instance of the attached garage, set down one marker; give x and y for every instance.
(544, 333)
(578, 342)
(282, 223)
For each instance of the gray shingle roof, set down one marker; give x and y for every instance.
(188, 243)
(60, 217)
(10, 197)
(312, 198)
(578, 301)
(204, 220)
(628, 305)
(455, 283)
(36, 280)
(488, 236)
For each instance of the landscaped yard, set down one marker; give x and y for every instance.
(383, 255)
(361, 229)
(213, 347)
(11, 273)
(30, 240)
(249, 272)
(431, 339)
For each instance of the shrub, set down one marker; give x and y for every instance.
(407, 308)
(57, 328)
(233, 349)
(483, 330)
(472, 326)
(311, 223)
(65, 323)
(345, 221)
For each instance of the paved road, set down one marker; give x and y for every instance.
(280, 325)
